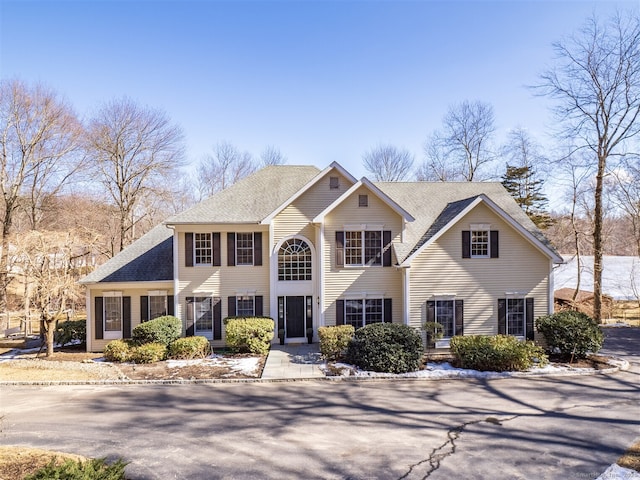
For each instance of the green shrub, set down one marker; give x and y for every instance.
(386, 347)
(96, 469)
(71, 331)
(148, 353)
(335, 340)
(497, 353)
(249, 334)
(117, 351)
(159, 330)
(572, 334)
(187, 348)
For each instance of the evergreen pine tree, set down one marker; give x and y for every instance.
(526, 189)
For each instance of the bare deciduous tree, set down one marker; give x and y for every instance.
(50, 261)
(596, 84)
(272, 156)
(39, 133)
(626, 194)
(223, 168)
(136, 150)
(462, 150)
(388, 163)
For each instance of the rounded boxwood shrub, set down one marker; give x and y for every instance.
(571, 334)
(188, 348)
(148, 353)
(335, 340)
(160, 330)
(249, 334)
(117, 351)
(496, 353)
(385, 347)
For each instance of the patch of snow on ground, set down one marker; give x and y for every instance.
(616, 472)
(246, 365)
(446, 370)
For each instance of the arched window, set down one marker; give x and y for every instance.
(294, 260)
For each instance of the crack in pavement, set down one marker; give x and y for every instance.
(448, 448)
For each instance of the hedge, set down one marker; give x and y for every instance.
(71, 331)
(159, 330)
(335, 340)
(386, 347)
(249, 334)
(188, 348)
(571, 334)
(497, 353)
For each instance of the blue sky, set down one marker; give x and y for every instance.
(321, 80)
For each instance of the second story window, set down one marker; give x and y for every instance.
(361, 246)
(244, 248)
(202, 248)
(479, 243)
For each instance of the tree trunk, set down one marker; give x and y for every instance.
(50, 329)
(597, 241)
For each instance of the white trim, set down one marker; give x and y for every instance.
(406, 295)
(373, 189)
(480, 226)
(551, 290)
(177, 307)
(498, 211)
(112, 293)
(157, 293)
(311, 183)
(320, 276)
(350, 295)
(90, 320)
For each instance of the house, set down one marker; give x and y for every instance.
(312, 247)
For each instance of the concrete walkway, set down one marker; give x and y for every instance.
(293, 361)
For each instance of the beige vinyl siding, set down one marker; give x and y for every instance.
(353, 282)
(296, 218)
(479, 282)
(94, 345)
(222, 281)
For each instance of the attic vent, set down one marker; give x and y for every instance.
(363, 200)
(334, 182)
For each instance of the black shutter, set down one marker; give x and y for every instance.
(190, 327)
(339, 312)
(257, 249)
(231, 307)
(339, 249)
(466, 244)
(386, 246)
(459, 319)
(144, 308)
(126, 317)
(188, 249)
(493, 240)
(99, 315)
(502, 316)
(258, 300)
(431, 311)
(170, 306)
(231, 249)
(388, 311)
(217, 318)
(529, 318)
(215, 238)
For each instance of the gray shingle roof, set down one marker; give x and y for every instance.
(148, 259)
(251, 199)
(435, 204)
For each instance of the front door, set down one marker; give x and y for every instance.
(294, 317)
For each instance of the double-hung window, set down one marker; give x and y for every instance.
(245, 306)
(363, 248)
(203, 248)
(244, 248)
(157, 306)
(479, 243)
(516, 317)
(361, 312)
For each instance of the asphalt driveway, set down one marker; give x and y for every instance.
(528, 428)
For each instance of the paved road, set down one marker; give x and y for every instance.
(529, 428)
